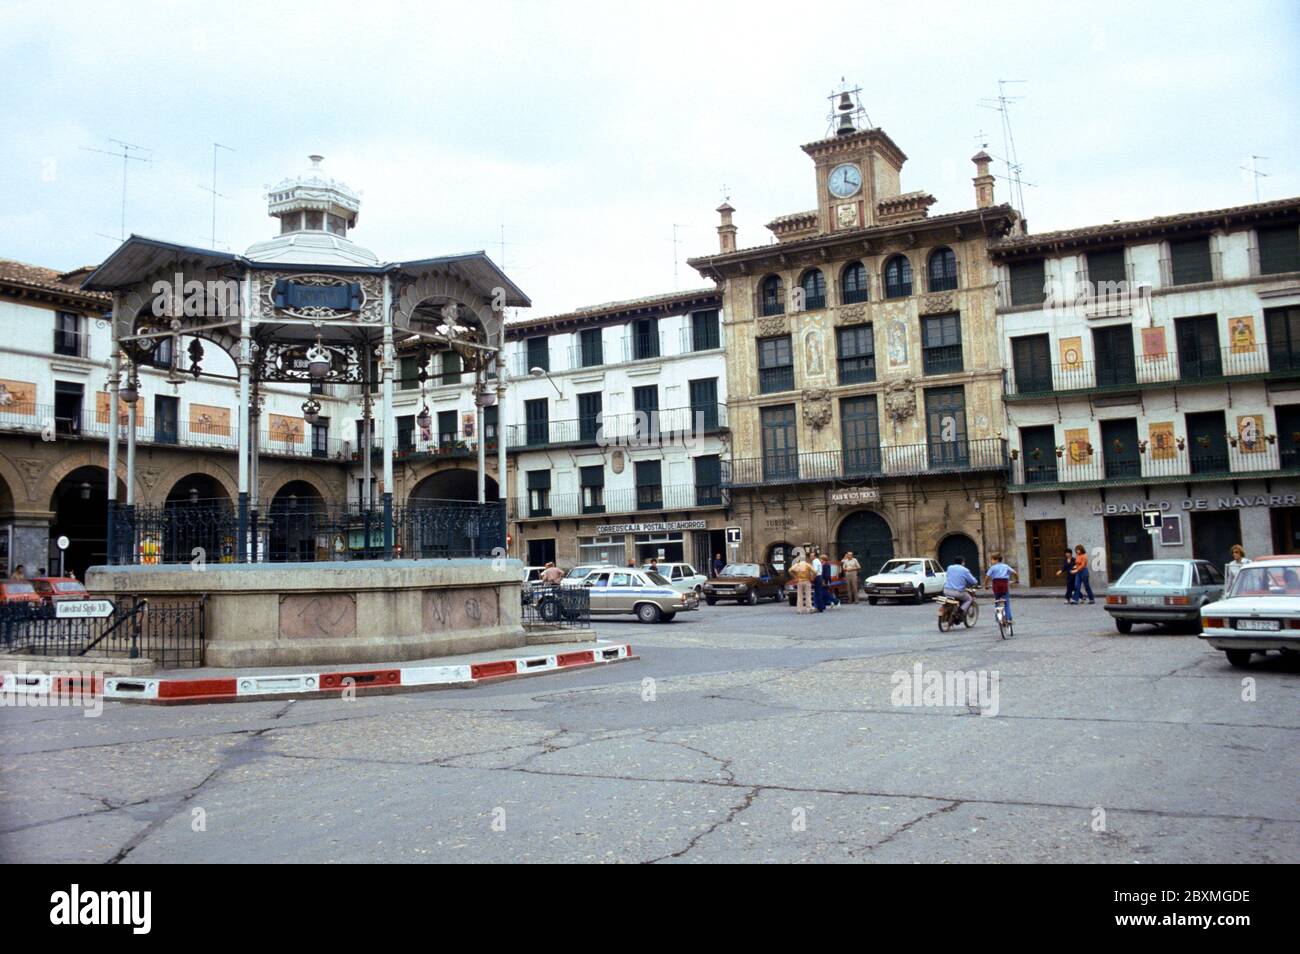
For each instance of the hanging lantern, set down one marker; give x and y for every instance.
(129, 392)
(311, 410)
(424, 418)
(319, 360)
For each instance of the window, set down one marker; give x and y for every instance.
(775, 365)
(592, 481)
(539, 493)
(1198, 347)
(360, 433)
(408, 373)
(67, 333)
(942, 270)
(649, 486)
(166, 419)
(601, 550)
(945, 427)
(704, 403)
(451, 367)
(1113, 352)
(1288, 435)
(1106, 266)
(772, 296)
(898, 277)
(860, 435)
(539, 353)
(320, 437)
(406, 432)
(537, 422)
(1207, 442)
(857, 354)
(645, 401)
(645, 339)
(589, 409)
(853, 284)
(1119, 450)
(1283, 329)
(161, 356)
(591, 348)
(780, 443)
(708, 481)
(941, 343)
(813, 286)
(1038, 450)
(1028, 283)
(490, 418)
(1190, 261)
(446, 428)
(1279, 249)
(704, 331)
(1030, 357)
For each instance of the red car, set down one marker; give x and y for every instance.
(55, 589)
(18, 591)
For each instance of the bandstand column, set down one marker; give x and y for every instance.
(254, 471)
(389, 441)
(501, 437)
(241, 544)
(130, 455)
(115, 369)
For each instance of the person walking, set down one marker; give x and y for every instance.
(802, 574)
(818, 584)
(1067, 571)
(850, 567)
(1081, 581)
(999, 576)
(1230, 570)
(719, 565)
(828, 577)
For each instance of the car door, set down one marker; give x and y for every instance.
(934, 577)
(1211, 582)
(597, 587)
(622, 591)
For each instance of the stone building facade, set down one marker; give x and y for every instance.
(864, 370)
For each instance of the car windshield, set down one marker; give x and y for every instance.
(69, 586)
(655, 578)
(1267, 581)
(19, 588)
(902, 566)
(578, 572)
(1154, 574)
(741, 569)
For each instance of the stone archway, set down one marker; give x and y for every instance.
(959, 545)
(454, 483)
(79, 503)
(300, 524)
(199, 522)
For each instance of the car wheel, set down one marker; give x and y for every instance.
(1238, 657)
(778, 596)
(711, 600)
(1125, 626)
(698, 589)
(920, 596)
(873, 600)
(648, 613)
(549, 609)
(751, 599)
(790, 598)
(667, 617)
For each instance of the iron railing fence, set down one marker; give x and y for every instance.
(208, 531)
(593, 501)
(898, 460)
(626, 429)
(171, 632)
(547, 607)
(1128, 465)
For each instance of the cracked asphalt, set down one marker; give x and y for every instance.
(744, 734)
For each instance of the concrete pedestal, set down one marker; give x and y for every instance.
(292, 614)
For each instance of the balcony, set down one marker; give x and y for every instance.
(945, 359)
(628, 429)
(623, 501)
(1191, 463)
(1154, 370)
(1191, 269)
(703, 337)
(641, 347)
(898, 460)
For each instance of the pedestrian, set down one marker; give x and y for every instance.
(1066, 570)
(802, 574)
(18, 573)
(552, 575)
(1230, 570)
(818, 583)
(850, 566)
(719, 564)
(1080, 572)
(631, 564)
(999, 576)
(42, 572)
(828, 577)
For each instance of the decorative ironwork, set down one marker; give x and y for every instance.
(549, 607)
(171, 633)
(282, 362)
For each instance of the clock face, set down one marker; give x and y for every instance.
(845, 180)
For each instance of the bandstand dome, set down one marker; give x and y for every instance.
(315, 214)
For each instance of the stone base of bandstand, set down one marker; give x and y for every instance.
(364, 611)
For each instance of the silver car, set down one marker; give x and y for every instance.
(1169, 592)
(616, 590)
(682, 576)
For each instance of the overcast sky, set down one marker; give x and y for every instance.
(589, 130)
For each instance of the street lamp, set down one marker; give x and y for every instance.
(311, 411)
(543, 373)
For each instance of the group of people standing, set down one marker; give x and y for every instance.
(812, 581)
(1074, 567)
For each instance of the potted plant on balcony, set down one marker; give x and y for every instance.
(1142, 447)
(1182, 443)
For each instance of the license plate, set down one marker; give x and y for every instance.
(1146, 600)
(1265, 625)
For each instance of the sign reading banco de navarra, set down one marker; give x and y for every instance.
(1199, 503)
(651, 527)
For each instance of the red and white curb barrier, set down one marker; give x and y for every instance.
(295, 685)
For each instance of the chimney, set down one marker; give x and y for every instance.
(983, 180)
(726, 231)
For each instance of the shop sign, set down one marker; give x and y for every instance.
(1200, 503)
(862, 495)
(651, 527)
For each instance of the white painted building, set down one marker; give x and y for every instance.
(1154, 366)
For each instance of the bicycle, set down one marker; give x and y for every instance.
(1005, 627)
(950, 612)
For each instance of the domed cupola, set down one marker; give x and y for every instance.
(315, 214)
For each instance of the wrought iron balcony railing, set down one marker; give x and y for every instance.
(595, 501)
(625, 429)
(1154, 465)
(897, 460)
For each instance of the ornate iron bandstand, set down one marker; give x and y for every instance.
(309, 306)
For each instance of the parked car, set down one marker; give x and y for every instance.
(18, 591)
(649, 595)
(1260, 613)
(576, 576)
(1169, 592)
(532, 578)
(839, 586)
(682, 576)
(745, 583)
(906, 578)
(56, 589)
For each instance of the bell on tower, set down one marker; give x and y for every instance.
(847, 113)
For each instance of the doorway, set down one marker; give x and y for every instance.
(541, 552)
(1286, 529)
(1213, 535)
(707, 543)
(868, 535)
(1046, 545)
(1126, 543)
(959, 545)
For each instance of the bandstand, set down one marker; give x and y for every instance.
(339, 580)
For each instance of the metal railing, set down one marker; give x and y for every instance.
(549, 607)
(772, 380)
(168, 631)
(620, 500)
(942, 359)
(1152, 464)
(639, 347)
(897, 460)
(629, 428)
(704, 337)
(1170, 367)
(1191, 269)
(1274, 261)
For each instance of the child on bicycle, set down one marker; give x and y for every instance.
(999, 576)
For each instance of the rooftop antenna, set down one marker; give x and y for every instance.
(847, 114)
(215, 194)
(127, 158)
(1002, 105)
(675, 244)
(1252, 168)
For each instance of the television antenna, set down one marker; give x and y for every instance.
(127, 158)
(1252, 166)
(215, 194)
(1001, 104)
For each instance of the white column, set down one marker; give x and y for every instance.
(130, 452)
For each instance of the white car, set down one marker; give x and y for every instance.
(1261, 611)
(907, 578)
(682, 576)
(579, 573)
